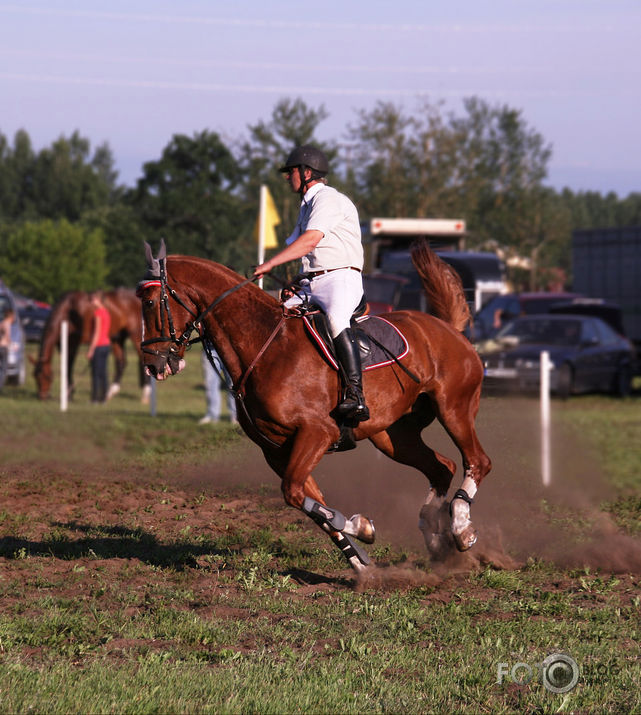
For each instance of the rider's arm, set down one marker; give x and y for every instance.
(305, 243)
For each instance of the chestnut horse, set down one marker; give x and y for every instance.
(75, 307)
(287, 393)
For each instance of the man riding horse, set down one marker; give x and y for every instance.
(327, 239)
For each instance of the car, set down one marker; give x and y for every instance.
(33, 316)
(382, 291)
(13, 368)
(502, 308)
(586, 355)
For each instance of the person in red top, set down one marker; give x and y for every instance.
(99, 349)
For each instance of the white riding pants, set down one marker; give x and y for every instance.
(338, 293)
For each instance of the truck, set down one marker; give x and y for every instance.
(387, 243)
(606, 264)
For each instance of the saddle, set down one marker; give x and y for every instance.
(380, 342)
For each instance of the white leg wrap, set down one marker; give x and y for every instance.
(460, 516)
(461, 524)
(469, 485)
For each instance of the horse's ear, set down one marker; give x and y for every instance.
(149, 256)
(153, 264)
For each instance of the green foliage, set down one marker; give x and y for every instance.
(124, 233)
(44, 259)
(189, 197)
(61, 181)
(292, 123)
(484, 164)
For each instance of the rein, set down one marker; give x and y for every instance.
(165, 314)
(167, 291)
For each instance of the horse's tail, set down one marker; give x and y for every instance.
(442, 285)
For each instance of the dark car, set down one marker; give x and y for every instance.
(33, 316)
(503, 308)
(586, 355)
(382, 291)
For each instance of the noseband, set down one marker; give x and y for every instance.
(171, 354)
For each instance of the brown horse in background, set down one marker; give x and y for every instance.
(287, 393)
(75, 307)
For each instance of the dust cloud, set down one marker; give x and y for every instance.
(516, 517)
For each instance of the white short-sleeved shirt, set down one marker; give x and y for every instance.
(326, 210)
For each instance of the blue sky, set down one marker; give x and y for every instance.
(135, 73)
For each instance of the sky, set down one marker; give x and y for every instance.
(135, 73)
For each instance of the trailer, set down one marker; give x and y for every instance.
(606, 264)
(387, 243)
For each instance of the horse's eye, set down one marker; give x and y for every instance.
(149, 303)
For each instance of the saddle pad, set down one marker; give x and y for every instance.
(375, 327)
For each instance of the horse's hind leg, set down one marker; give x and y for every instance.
(457, 417)
(402, 442)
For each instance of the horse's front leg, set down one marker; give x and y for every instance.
(300, 490)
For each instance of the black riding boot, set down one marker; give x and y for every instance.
(347, 351)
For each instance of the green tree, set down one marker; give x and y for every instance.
(45, 259)
(67, 181)
(291, 124)
(61, 181)
(16, 169)
(190, 198)
(124, 235)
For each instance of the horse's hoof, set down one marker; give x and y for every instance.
(362, 528)
(466, 539)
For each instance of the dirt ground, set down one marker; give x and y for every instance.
(106, 522)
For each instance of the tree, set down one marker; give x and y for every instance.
(16, 170)
(62, 181)
(190, 198)
(124, 235)
(66, 182)
(45, 259)
(292, 124)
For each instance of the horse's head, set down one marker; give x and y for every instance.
(44, 378)
(162, 347)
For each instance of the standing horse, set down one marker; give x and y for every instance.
(287, 392)
(75, 307)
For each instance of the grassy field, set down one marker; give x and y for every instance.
(130, 583)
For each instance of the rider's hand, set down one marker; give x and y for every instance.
(262, 269)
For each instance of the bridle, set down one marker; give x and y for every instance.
(168, 329)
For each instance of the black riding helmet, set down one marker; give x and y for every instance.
(307, 156)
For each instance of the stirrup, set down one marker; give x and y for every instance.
(353, 405)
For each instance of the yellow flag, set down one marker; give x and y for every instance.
(268, 219)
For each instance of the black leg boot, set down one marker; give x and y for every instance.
(347, 351)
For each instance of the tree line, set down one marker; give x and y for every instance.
(66, 223)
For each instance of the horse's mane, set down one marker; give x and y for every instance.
(51, 332)
(442, 285)
(226, 272)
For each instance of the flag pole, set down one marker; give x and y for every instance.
(261, 229)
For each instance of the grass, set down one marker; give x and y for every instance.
(141, 611)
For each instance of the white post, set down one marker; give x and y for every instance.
(64, 359)
(152, 397)
(261, 229)
(545, 417)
